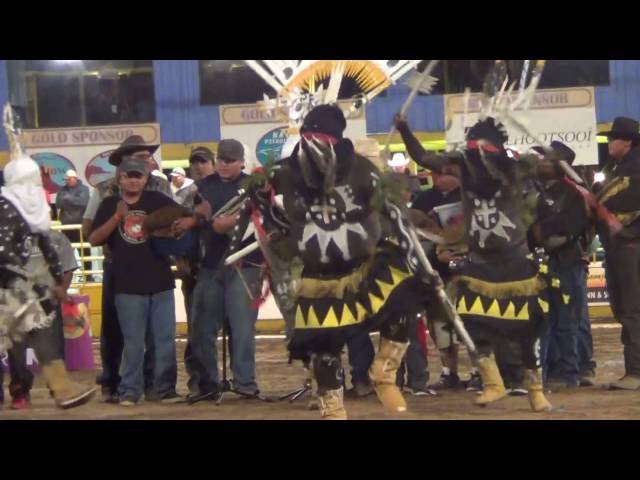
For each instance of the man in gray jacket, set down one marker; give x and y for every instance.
(72, 199)
(71, 202)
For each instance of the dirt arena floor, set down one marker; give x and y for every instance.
(276, 377)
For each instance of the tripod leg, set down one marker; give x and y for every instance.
(299, 393)
(291, 394)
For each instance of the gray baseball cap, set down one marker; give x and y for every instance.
(133, 165)
(230, 149)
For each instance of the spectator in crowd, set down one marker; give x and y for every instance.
(561, 228)
(159, 174)
(201, 163)
(223, 293)
(184, 189)
(111, 343)
(143, 284)
(620, 196)
(399, 165)
(201, 166)
(71, 202)
(445, 192)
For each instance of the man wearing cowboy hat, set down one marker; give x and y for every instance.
(562, 229)
(111, 343)
(621, 196)
(399, 166)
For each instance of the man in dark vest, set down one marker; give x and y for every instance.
(621, 196)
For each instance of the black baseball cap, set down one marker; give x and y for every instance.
(201, 154)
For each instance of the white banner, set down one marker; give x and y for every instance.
(567, 115)
(265, 133)
(85, 150)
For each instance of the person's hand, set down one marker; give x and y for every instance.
(122, 209)
(225, 223)
(182, 225)
(399, 121)
(447, 256)
(60, 293)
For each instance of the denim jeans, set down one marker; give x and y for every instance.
(147, 319)
(111, 342)
(220, 295)
(563, 340)
(415, 362)
(361, 355)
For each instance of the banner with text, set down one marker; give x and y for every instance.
(567, 115)
(85, 150)
(265, 132)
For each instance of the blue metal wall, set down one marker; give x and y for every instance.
(183, 120)
(178, 111)
(622, 97)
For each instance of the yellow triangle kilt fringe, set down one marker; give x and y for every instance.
(352, 298)
(516, 300)
(515, 309)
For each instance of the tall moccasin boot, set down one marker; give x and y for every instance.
(493, 386)
(66, 392)
(332, 404)
(537, 399)
(383, 374)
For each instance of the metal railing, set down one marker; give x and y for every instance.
(80, 276)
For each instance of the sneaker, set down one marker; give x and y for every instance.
(474, 384)
(248, 393)
(129, 402)
(199, 397)
(446, 382)
(587, 378)
(172, 398)
(108, 396)
(20, 402)
(360, 390)
(518, 391)
(421, 392)
(628, 382)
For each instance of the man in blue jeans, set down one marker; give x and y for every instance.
(561, 228)
(222, 294)
(143, 284)
(111, 342)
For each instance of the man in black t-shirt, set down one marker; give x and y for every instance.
(143, 283)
